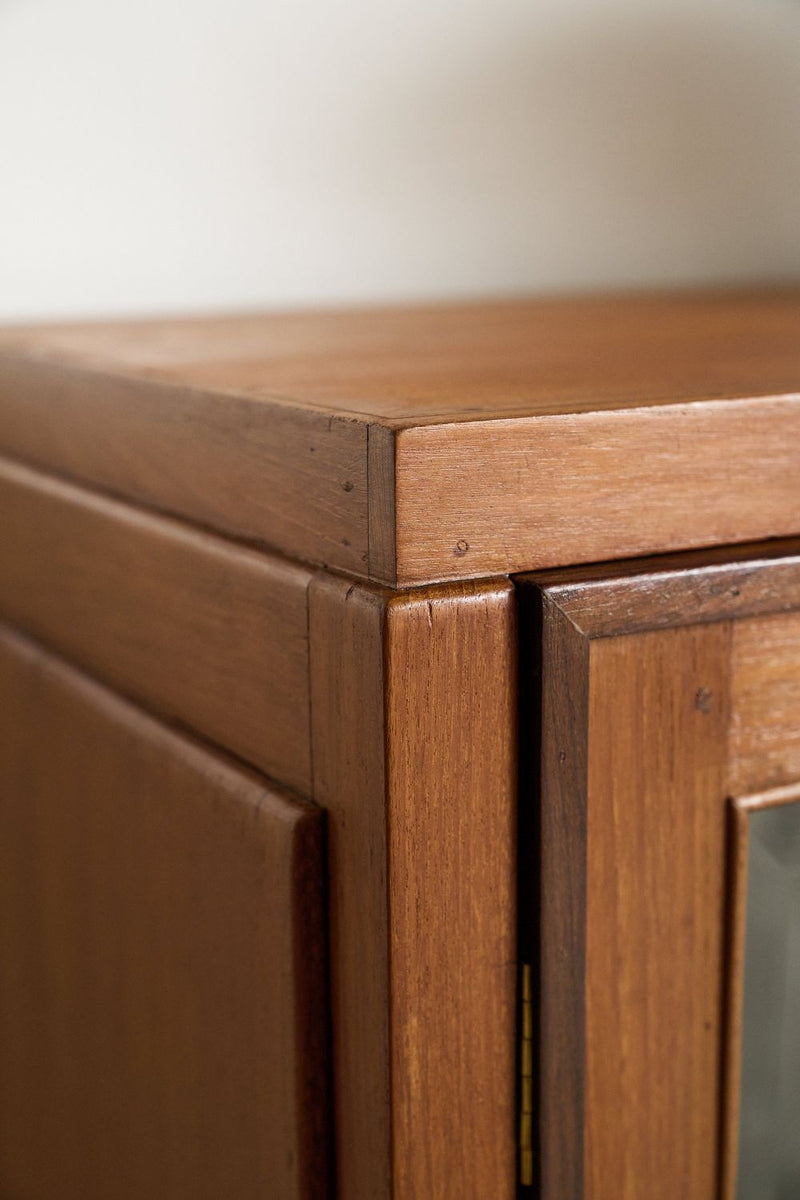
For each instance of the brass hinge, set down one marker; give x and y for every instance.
(526, 1081)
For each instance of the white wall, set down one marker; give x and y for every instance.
(172, 154)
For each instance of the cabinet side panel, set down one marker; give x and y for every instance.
(658, 718)
(451, 744)
(162, 1019)
(347, 704)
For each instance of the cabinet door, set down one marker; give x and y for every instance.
(162, 1027)
(669, 706)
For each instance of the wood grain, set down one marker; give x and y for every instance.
(634, 872)
(655, 913)
(634, 760)
(639, 595)
(765, 683)
(283, 476)
(207, 633)
(450, 712)
(420, 444)
(346, 629)
(492, 497)
(458, 362)
(413, 733)
(691, 665)
(162, 1015)
(381, 491)
(561, 903)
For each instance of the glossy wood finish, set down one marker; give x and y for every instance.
(413, 733)
(396, 444)
(162, 1014)
(207, 633)
(656, 704)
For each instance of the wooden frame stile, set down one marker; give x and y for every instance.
(654, 707)
(413, 703)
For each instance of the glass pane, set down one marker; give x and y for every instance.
(769, 1134)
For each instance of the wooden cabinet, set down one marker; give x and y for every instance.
(357, 838)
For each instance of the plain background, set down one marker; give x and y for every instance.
(217, 154)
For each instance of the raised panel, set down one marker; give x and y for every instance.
(162, 1016)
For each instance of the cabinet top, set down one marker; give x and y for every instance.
(415, 444)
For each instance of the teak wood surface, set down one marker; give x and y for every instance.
(413, 728)
(211, 635)
(404, 446)
(396, 713)
(162, 957)
(431, 443)
(656, 706)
